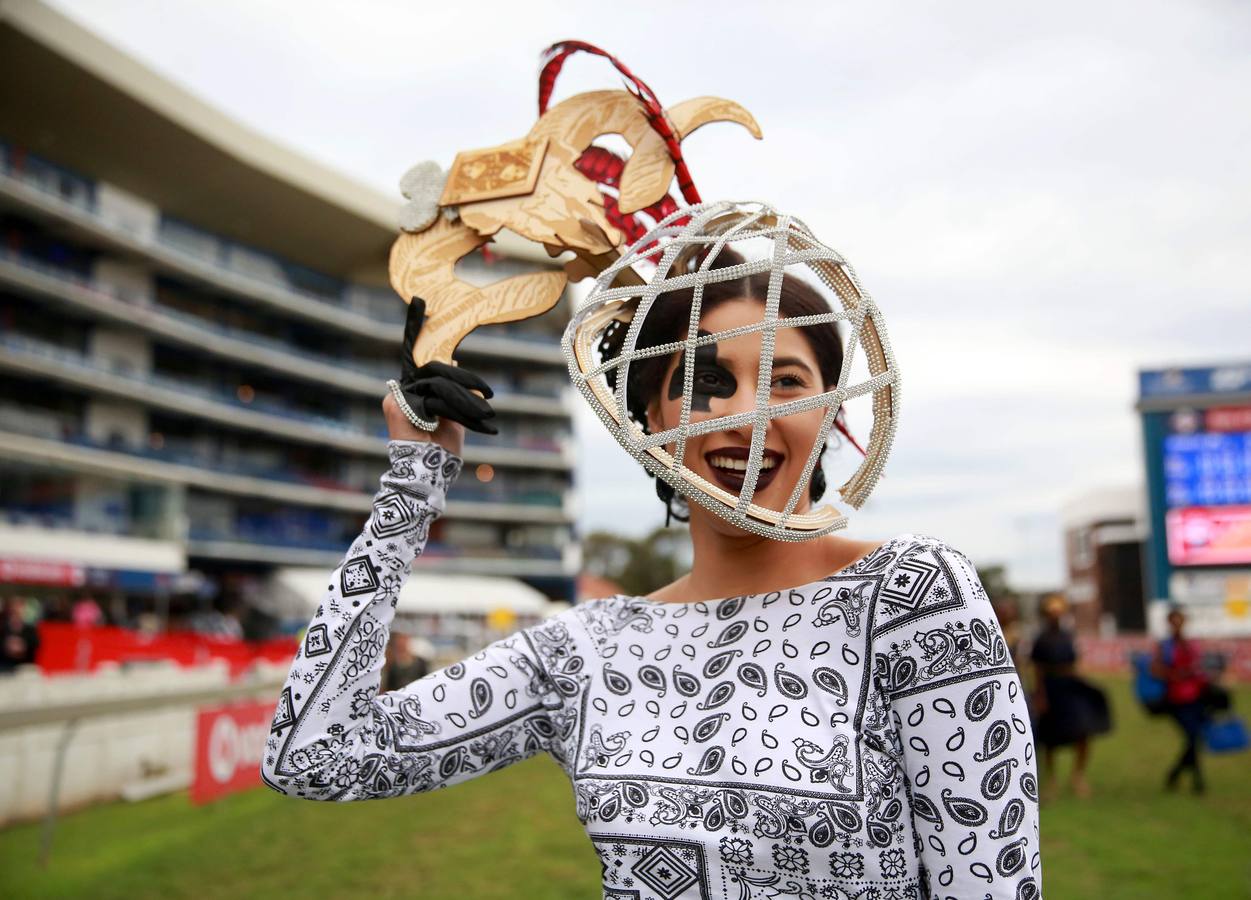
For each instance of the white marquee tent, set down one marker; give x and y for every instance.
(295, 592)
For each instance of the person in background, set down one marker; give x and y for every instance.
(1176, 663)
(1067, 709)
(87, 613)
(404, 666)
(19, 638)
(58, 609)
(1008, 611)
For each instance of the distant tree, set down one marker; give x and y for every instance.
(639, 565)
(1006, 603)
(995, 581)
(605, 554)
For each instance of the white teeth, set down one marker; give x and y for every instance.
(740, 465)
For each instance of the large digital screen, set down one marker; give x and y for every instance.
(1207, 486)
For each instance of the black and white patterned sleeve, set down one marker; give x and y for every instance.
(960, 726)
(335, 737)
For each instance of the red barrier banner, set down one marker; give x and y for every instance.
(229, 741)
(41, 571)
(1112, 654)
(64, 647)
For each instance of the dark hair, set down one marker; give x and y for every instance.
(669, 318)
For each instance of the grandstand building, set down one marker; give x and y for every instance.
(195, 332)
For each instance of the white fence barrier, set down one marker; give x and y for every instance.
(109, 734)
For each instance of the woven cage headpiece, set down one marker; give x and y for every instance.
(683, 247)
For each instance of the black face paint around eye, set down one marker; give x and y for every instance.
(705, 363)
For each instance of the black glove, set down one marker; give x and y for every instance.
(439, 389)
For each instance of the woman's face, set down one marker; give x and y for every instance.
(725, 379)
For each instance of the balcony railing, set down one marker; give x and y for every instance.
(88, 364)
(85, 364)
(379, 370)
(272, 537)
(183, 240)
(277, 536)
(55, 181)
(62, 517)
(466, 489)
(201, 248)
(269, 270)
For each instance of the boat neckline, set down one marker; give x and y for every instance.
(717, 601)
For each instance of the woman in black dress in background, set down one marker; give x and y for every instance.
(1068, 709)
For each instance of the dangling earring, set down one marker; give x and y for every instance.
(664, 490)
(816, 484)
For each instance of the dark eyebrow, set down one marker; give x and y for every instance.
(781, 361)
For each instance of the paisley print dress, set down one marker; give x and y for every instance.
(864, 736)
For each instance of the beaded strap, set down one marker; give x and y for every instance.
(409, 413)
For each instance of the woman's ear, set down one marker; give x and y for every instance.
(654, 423)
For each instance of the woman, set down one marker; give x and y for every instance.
(1068, 709)
(831, 718)
(1176, 662)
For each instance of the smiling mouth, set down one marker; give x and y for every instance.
(729, 467)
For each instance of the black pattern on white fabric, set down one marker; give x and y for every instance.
(864, 736)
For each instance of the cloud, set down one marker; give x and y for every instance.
(1041, 199)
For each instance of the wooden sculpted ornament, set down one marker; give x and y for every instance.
(538, 187)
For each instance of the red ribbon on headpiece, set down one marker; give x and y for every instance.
(604, 167)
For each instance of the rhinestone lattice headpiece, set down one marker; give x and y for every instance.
(700, 232)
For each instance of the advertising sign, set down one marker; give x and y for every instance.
(1209, 535)
(1207, 486)
(41, 571)
(229, 742)
(1196, 431)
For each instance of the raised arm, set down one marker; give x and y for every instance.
(963, 727)
(335, 737)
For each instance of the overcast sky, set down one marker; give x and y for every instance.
(1041, 198)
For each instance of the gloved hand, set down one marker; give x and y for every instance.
(439, 389)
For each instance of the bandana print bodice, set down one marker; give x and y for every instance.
(864, 736)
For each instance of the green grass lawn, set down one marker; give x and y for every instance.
(514, 834)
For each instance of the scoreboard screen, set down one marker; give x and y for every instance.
(1207, 486)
